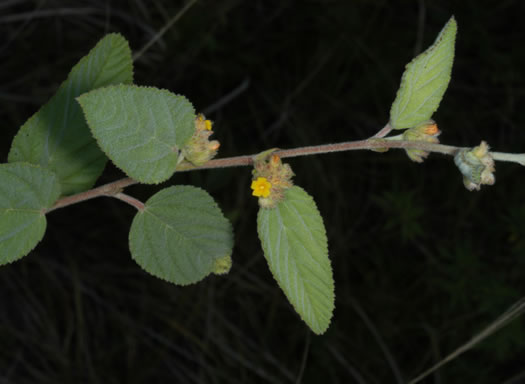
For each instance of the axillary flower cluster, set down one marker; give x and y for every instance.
(476, 165)
(199, 149)
(428, 132)
(271, 178)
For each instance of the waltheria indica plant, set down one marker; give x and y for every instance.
(180, 234)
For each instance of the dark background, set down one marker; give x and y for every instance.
(420, 263)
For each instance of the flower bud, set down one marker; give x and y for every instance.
(476, 165)
(378, 140)
(199, 149)
(427, 131)
(222, 265)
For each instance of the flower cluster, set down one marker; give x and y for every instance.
(271, 179)
(199, 149)
(427, 131)
(476, 165)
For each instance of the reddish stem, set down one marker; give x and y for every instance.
(384, 131)
(114, 188)
(130, 200)
(109, 189)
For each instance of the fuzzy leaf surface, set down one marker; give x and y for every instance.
(294, 241)
(141, 129)
(25, 192)
(57, 136)
(425, 81)
(180, 234)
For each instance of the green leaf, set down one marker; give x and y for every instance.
(294, 241)
(57, 135)
(141, 129)
(26, 191)
(425, 81)
(180, 234)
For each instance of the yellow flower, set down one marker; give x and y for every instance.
(261, 187)
(203, 124)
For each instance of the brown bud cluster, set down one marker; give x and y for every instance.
(427, 131)
(279, 175)
(199, 149)
(477, 166)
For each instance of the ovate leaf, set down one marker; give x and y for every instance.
(180, 234)
(425, 81)
(26, 191)
(141, 129)
(57, 136)
(294, 241)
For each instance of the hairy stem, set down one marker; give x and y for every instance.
(512, 157)
(130, 200)
(110, 189)
(115, 188)
(384, 131)
(371, 143)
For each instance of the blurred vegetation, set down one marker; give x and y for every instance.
(420, 263)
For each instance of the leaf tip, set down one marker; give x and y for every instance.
(425, 81)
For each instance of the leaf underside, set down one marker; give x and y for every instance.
(180, 234)
(25, 192)
(141, 129)
(425, 81)
(294, 241)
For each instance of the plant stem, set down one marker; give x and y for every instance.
(384, 131)
(115, 188)
(512, 157)
(130, 200)
(371, 143)
(110, 189)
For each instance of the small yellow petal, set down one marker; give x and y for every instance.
(208, 125)
(261, 187)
